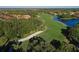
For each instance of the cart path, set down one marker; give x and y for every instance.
(30, 36)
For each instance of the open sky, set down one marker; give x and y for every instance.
(39, 2)
(39, 6)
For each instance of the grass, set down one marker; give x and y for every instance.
(53, 28)
(24, 45)
(2, 40)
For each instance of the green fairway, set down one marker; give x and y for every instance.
(53, 28)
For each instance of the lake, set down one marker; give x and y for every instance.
(69, 23)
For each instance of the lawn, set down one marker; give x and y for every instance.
(53, 28)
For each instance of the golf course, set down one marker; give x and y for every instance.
(39, 30)
(53, 30)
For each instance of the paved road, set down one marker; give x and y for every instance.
(30, 36)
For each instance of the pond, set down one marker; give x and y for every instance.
(69, 23)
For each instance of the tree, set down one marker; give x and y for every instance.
(63, 46)
(35, 44)
(74, 34)
(38, 44)
(55, 43)
(12, 46)
(1, 28)
(67, 47)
